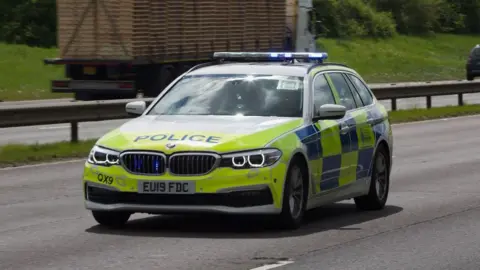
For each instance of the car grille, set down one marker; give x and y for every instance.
(144, 163)
(192, 164)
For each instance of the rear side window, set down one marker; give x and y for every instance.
(362, 90)
(354, 91)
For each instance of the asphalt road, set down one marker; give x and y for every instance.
(89, 130)
(431, 220)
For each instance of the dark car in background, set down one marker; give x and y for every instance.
(473, 63)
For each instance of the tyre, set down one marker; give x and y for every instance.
(379, 184)
(470, 77)
(294, 197)
(111, 219)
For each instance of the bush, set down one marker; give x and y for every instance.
(382, 18)
(428, 16)
(470, 11)
(352, 18)
(30, 22)
(414, 16)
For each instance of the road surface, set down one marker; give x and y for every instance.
(92, 130)
(431, 220)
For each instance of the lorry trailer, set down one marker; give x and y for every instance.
(114, 49)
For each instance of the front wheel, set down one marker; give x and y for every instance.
(111, 219)
(294, 197)
(379, 184)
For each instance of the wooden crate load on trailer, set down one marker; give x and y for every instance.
(169, 30)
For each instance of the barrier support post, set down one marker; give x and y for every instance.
(74, 131)
(394, 104)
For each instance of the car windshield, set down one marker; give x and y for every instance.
(248, 95)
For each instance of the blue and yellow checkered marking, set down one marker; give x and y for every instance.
(343, 158)
(310, 137)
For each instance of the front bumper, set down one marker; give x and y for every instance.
(224, 191)
(255, 200)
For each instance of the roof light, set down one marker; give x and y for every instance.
(265, 56)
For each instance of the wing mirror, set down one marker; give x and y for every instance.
(135, 108)
(330, 112)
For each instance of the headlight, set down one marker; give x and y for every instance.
(252, 159)
(104, 157)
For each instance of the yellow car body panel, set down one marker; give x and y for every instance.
(219, 180)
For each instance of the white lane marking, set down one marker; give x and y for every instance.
(271, 266)
(42, 164)
(54, 127)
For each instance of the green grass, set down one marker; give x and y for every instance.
(23, 74)
(402, 58)
(16, 154)
(19, 154)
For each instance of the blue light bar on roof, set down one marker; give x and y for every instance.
(271, 55)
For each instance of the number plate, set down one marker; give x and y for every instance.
(89, 70)
(166, 187)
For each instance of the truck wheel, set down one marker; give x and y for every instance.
(295, 197)
(379, 184)
(111, 219)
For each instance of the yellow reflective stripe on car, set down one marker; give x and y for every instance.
(348, 170)
(365, 134)
(330, 142)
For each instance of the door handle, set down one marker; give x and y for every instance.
(345, 129)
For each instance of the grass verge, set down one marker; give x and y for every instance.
(24, 76)
(21, 154)
(16, 155)
(402, 58)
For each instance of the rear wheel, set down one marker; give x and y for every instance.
(111, 219)
(470, 77)
(294, 197)
(379, 184)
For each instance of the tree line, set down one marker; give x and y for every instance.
(34, 22)
(385, 18)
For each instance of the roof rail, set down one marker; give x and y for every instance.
(327, 64)
(211, 63)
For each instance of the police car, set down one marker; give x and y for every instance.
(249, 133)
